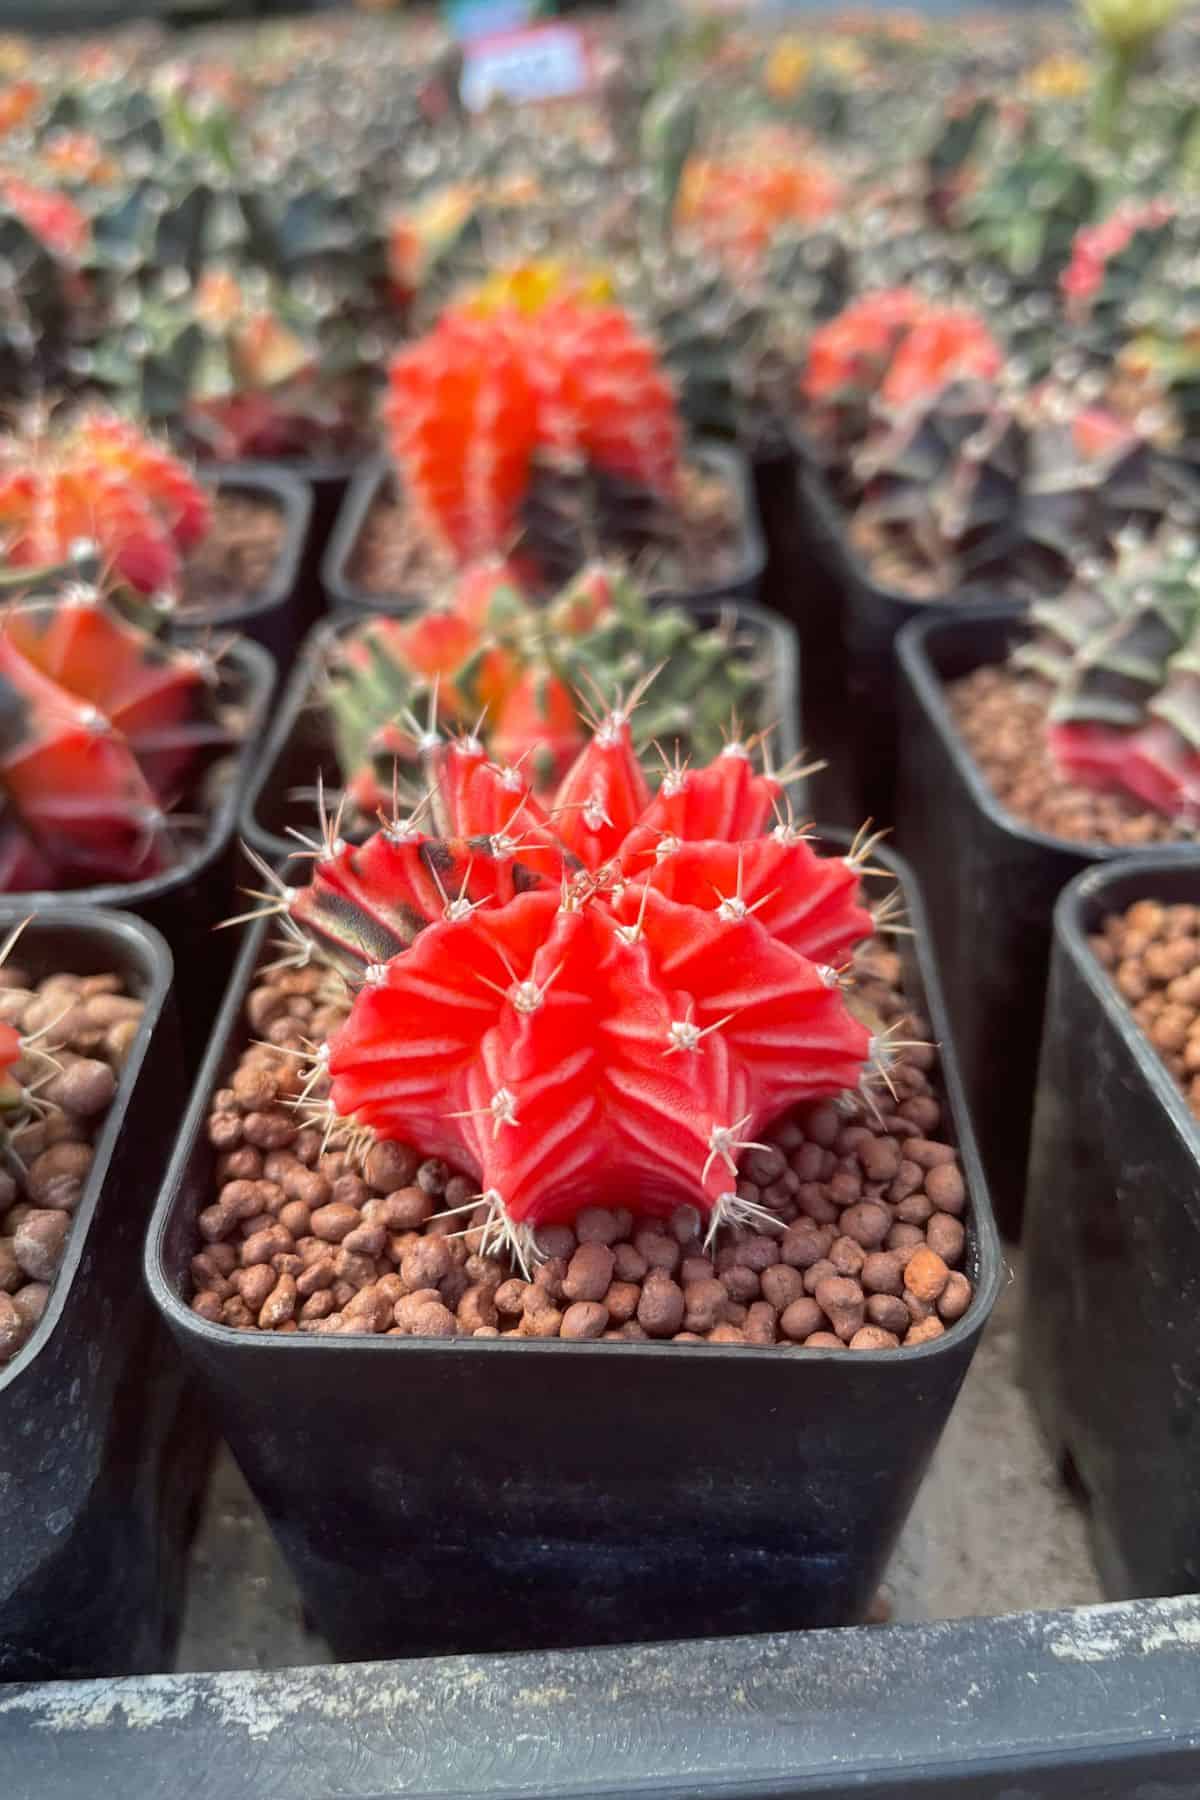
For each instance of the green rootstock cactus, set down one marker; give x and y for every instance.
(1121, 652)
(487, 658)
(605, 998)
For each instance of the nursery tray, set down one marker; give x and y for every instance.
(990, 884)
(346, 596)
(1097, 1703)
(300, 748)
(99, 1474)
(1112, 1338)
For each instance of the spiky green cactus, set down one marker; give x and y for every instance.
(523, 677)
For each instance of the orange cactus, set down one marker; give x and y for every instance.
(49, 215)
(739, 202)
(102, 481)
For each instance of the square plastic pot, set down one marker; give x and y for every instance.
(851, 628)
(197, 892)
(1111, 1341)
(300, 746)
(377, 476)
(990, 884)
(488, 1494)
(100, 1457)
(281, 611)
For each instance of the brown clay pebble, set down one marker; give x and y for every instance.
(589, 1272)
(925, 1275)
(661, 1307)
(799, 1320)
(924, 1331)
(946, 1236)
(888, 1311)
(874, 1337)
(823, 1340)
(30, 1301)
(954, 1298)
(585, 1319)
(39, 1240)
(56, 1177)
(12, 1329)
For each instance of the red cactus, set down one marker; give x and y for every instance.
(605, 1000)
(99, 480)
(49, 215)
(854, 349)
(103, 726)
(950, 343)
(1095, 244)
(470, 405)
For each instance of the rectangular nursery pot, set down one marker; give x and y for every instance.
(300, 747)
(100, 1461)
(990, 884)
(191, 898)
(849, 626)
(280, 612)
(376, 476)
(1111, 1345)
(486, 1495)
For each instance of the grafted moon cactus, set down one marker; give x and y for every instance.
(599, 1002)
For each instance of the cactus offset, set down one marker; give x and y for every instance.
(479, 404)
(609, 998)
(104, 728)
(1121, 653)
(98, 479)
(487, 660)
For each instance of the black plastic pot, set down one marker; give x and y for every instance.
(346, 596)
(484, 1494)
(198, 892)
(279, 614)
(1111, 1346)
(990, 884)
(300, 748)
(100, 1464)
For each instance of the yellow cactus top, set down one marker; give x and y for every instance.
(528, 286)
(1127, 23)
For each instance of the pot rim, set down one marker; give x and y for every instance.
(989, 1274)
(930, 691)
(143, 948)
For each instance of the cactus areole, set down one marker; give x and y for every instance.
(599, 1002)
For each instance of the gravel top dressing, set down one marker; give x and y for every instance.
(87, 1025)
(1002, 716)
(1152, 952)
(236, 560)
(867, 1255)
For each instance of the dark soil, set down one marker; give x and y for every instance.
(867, 1255)
(238, 557)
(87, 1025)
(1152, 952)
(392, 558)
(1002, 716)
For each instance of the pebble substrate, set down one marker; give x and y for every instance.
(391, 557)
(1152, 952)
(1002, 717)
(236, 560)
(93, 1023)
(868, 1253)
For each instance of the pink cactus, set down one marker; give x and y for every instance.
(599, 1003)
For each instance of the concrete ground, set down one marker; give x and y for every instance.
(993, 1530)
